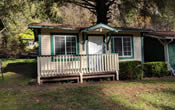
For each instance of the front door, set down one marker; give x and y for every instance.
(95, 45)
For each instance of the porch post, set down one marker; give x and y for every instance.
(81, 74)
(117, 75)
(166, 53)
(165, 44)
(38, 72)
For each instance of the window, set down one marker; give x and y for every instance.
(122, 45)
(65, 44)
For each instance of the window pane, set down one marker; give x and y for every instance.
(65, 45)
(71, 45)
(118, 46)
(59, 45)
(127, 46)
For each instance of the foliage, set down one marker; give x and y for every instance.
(155, 69)
(131, 70)
(163, 17)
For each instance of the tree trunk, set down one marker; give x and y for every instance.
(102, 11)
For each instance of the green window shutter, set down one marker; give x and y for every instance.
(39, 41)
(52, 44)
(78, 47)
(112, 45)
(132, 46)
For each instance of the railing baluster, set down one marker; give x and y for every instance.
(68, 67)
(57, 65)
(102, 63)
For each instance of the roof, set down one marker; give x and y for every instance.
(56, 26)
(85, 28)
(132, 29)
(162, 34)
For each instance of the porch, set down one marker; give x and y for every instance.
(77, 67)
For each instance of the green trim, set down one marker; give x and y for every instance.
(132, 45)
(104, 49)
(50, 27)
(100, 26)
(84, 39)
(78, 45)
(142, 47)
(52, 44)
(136, 30)
(87, 49)
(39, 41)
(112, 45)
(108, 39)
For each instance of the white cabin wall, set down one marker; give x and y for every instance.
(46, 43)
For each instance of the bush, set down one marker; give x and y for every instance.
(131, 70)
(155, 69)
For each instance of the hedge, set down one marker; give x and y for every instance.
(155, 69)
(131, 70)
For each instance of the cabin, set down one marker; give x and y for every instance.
(160, 46)
(82, 52)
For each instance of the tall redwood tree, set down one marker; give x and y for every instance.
(101, 8)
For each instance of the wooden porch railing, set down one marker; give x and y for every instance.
(52, 66)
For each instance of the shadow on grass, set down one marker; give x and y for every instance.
(80, 98)
(24, 69)
(155, 81)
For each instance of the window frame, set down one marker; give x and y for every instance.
(65, 40)
(131, 45)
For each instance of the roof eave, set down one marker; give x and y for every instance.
(128, 30)
(50, 27)
(158, 37)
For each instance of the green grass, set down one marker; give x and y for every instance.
(17, 72)
(16, 94)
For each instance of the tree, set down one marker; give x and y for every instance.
(101, 8)
(17, 14)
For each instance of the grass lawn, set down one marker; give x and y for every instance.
(17, 94)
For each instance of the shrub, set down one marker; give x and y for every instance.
(155, 69)
(131, 70)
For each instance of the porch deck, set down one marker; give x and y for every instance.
(77, 67)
